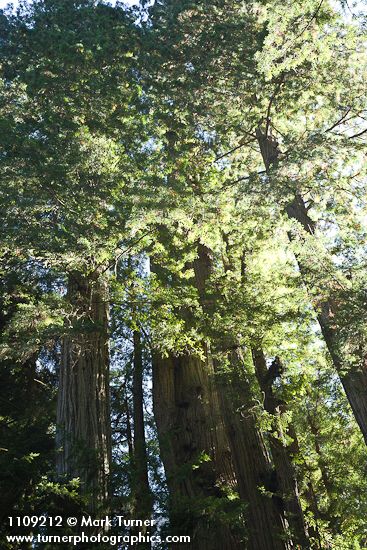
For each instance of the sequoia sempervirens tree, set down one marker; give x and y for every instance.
(69, 98)
(184, 185)
(273, 93)
(210, 442)
(234, 73)
(131, 361)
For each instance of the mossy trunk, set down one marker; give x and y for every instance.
(83, 415)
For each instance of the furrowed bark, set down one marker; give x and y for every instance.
(194, 448)
(352, 376)
(265, 521)
(83, 416)
(193, 442)
(280, 451)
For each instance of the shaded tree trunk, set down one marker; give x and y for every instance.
(194, 448)
(255, 475)
(129, 435)
(280, 451)
(265, 521)
(141, 488)
(352, 376)
(83, 416)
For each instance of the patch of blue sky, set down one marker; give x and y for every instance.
(4, 3)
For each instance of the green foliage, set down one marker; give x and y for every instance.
(125, 147)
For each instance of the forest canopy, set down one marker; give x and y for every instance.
(183, 283)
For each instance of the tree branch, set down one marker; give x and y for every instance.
(339, 121)
(358, 135)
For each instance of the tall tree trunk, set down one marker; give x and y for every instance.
(352, 376)
(280, 451)
(141, 488)
(129, 435)
(83, 415)
(265, 521)
(266, 527)
(194, 448)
